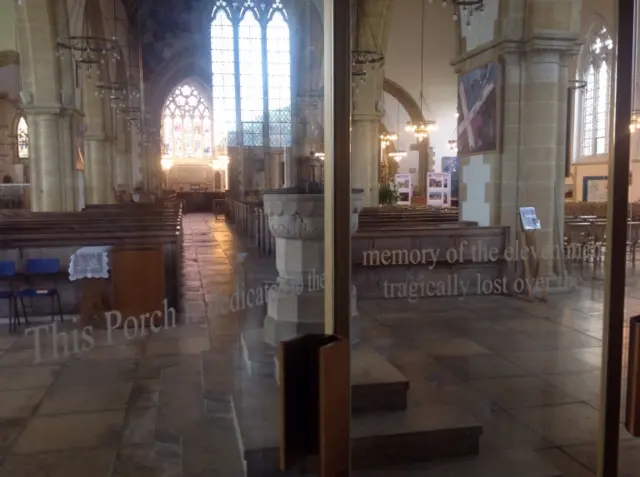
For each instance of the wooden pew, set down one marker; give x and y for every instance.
(26, 235)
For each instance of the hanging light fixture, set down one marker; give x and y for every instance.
(387, 138)
(89, 51)
(421, 129)
(469, 7)
(364, 61)
(634, 125)
(398, 154)
(119, 92)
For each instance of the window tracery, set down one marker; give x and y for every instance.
(186, 124)
(596, 95)
(23, 138)
(251, 74)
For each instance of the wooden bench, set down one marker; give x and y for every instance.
(372, 219)
(125, 227)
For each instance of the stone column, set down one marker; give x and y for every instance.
(45, 154)
(542, 152)
(98, 178)
(123, 164)
(295, 306)
(365, 146)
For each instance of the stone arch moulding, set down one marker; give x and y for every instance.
(407, 101)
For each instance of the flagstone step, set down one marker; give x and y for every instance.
(417, 434)
(376, 385)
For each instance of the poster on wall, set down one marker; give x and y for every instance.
(438, 189)
(452, 166)
(403, 184)
(478, 110)
(595, 188)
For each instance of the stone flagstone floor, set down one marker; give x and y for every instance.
(159, 406)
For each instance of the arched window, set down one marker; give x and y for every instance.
(596, 95)
(186, 124)
(251, 74)
(23, 139)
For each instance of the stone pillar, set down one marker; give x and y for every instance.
(98, 179)
(48, 178)
(365, 149)
(290, 169)
(295, 306)
(542, 152)
(123, 163)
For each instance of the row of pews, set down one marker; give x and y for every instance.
(400, 219)
(145, 255)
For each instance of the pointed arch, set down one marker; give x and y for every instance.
(186, 123)
(593, 123)
(22, 136)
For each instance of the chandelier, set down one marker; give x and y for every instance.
(422, 129)
(365, 60)
(398, 155)
(467, 6)
(89, 52)
(387, 138)
(634, 125)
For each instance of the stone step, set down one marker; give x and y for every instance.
(377, 385)
(417, 434)
(490, 465)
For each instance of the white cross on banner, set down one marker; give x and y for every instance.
(477, 124)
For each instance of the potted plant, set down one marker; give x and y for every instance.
(388, 194)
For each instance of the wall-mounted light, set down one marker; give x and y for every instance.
(166, 164)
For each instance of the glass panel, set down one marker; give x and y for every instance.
(251, 79)
(490, 330)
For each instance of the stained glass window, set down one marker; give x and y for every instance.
(243, 81)
(223, 80)
(23, 138)
(279, 93)
(251, 79)
(186, 124)
(596, 95)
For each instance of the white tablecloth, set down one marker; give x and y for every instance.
(89, 262)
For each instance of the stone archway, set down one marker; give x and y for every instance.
(414, 112)
(403, 97)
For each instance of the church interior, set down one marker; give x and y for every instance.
(319, 237)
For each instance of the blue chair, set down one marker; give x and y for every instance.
(7, 274)
(42, 268)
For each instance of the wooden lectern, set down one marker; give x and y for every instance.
(315, 403)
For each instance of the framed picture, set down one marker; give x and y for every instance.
(478, 118)
(595, 188)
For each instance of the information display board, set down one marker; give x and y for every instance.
(529, 218)
(403, 184)
(439, 189)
